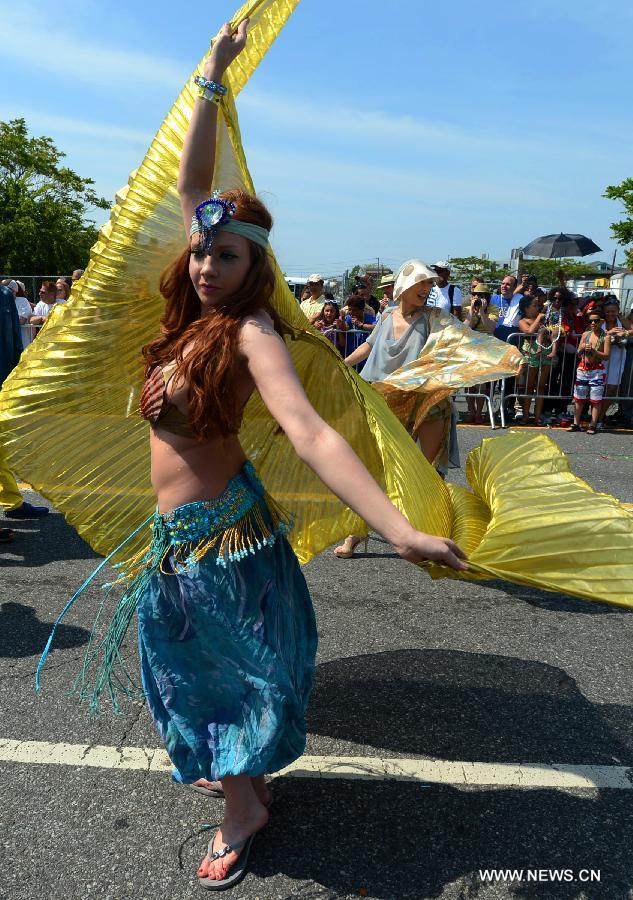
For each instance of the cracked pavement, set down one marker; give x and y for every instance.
(407, 668)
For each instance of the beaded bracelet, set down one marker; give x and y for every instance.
(211, 87)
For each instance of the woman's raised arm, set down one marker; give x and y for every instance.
(326, 452)
(198, 153)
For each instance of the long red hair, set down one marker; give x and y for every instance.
(213, 361)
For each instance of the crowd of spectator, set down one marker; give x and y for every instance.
(33, 314)
(572, 347)
(553, 330)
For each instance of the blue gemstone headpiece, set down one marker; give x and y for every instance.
(216, 215)
(210, 216)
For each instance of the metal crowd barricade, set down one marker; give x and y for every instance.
(334, 332)
(492, 397)
(561, 378)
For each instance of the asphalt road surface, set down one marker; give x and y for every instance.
(489, 699)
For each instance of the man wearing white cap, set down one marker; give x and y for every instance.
(451, 294)
(314, 304)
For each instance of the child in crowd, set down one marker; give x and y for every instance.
(328, 323)
(593, 351)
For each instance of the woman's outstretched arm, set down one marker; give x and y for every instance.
(326, 452)
(359, 354)
(198, 154)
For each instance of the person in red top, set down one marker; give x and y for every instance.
(593, 351)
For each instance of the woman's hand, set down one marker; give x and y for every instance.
(226, 47)
(419, 547)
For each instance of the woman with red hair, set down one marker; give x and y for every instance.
(227, 633)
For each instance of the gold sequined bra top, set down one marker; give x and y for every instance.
(156, 407)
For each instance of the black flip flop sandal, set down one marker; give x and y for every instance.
(6, 536)
(217, 793)
(236, 872)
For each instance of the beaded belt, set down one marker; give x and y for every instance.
(234, 521)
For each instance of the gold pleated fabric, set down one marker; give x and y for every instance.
(546, 527)
(70, 427)
(453, 357)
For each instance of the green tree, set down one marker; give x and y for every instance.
(463, 268)
(623, 231)
(43, 206)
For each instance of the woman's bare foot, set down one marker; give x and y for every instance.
(234, 831)
(346, 549)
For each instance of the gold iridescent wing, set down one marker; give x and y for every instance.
(454, 357)
(546, 527)
(68, 412)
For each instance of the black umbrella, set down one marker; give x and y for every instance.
(556, 246)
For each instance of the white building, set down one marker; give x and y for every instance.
(621, 284)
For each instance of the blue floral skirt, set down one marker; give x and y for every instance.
(226, 631)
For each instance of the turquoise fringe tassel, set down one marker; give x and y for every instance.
(78, 594)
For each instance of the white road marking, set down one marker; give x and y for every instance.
(429, 771)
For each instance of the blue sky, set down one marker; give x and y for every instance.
(443, 130)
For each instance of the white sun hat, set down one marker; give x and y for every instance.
(411, 272)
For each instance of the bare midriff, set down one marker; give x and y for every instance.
(184, 470)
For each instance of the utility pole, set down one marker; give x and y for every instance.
(378, 266)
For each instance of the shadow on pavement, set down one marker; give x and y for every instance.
(400, 840)
(549, 600)
(556, 602)
(465, 706)
(22, 634)
(42, 541)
